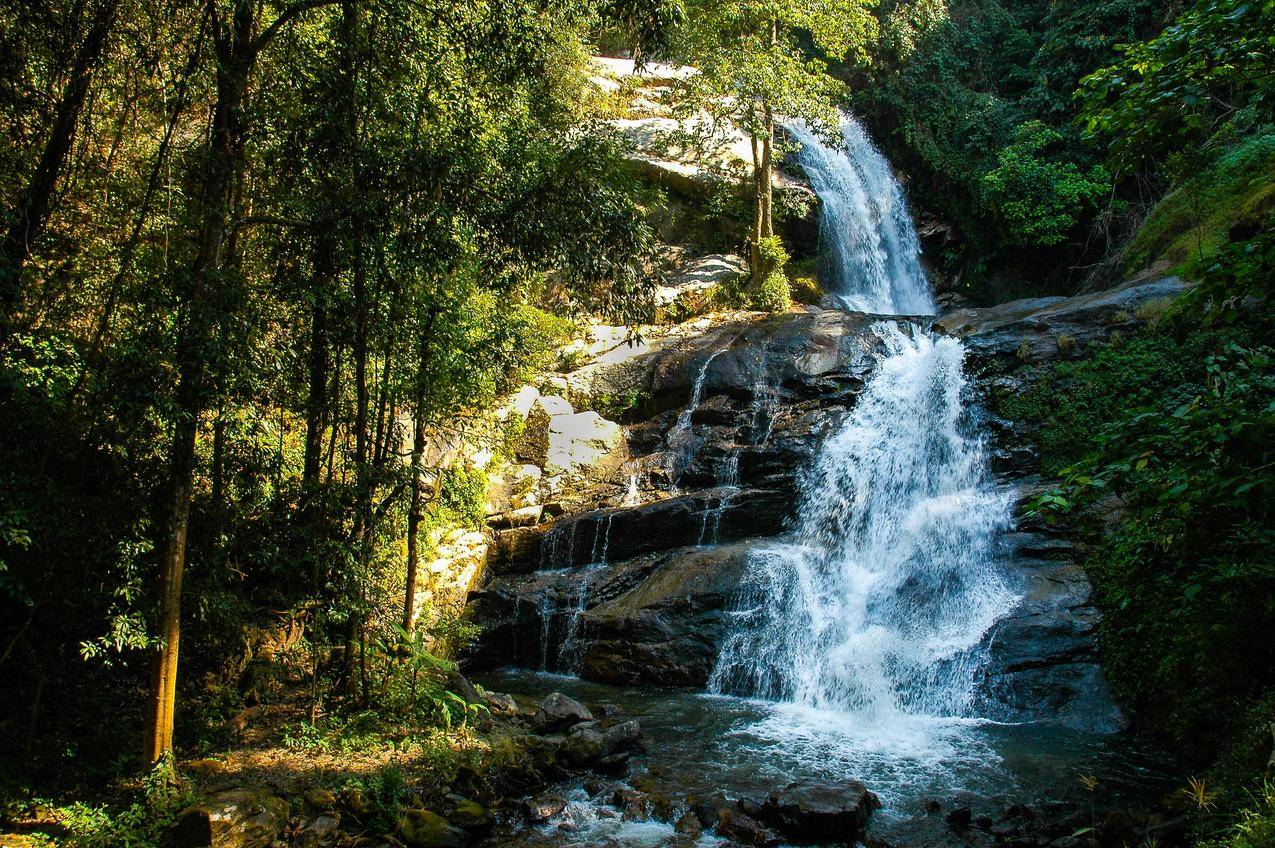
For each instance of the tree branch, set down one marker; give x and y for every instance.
(284, 18)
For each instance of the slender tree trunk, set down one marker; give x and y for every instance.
(416, 512)
(362, 454)
(414, 517)
(31, 212)
(316, 400)
(764, 197)
(223, 158)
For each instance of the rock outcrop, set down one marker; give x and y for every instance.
(234, 818)
(631, 584)
(1044, 328)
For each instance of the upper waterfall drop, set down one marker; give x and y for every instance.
(869, 251)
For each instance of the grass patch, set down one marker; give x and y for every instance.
(1189, 226)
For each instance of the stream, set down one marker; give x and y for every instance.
(700, 745)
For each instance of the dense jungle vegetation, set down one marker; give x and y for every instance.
(264, 261)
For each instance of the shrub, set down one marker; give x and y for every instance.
(774, 294)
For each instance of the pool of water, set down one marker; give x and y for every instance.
(701, 745)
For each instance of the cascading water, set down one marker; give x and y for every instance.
(869, 252)
(878, 603)
(877, 606)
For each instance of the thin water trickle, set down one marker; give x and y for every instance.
(680, 440)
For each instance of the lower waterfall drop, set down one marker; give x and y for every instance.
(878, 604)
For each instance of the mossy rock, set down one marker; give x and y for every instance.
(470, 815)
(427, 829)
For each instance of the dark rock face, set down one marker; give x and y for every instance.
(816, 812)
(1048, 327)
(637, 593)
(655, 619)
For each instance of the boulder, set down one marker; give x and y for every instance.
(501, 704)
(427, 829)
(558, 712)
(584, 745)
(234, 818)
(583, 442)
(470, 815)
(533, 447)
(320, 798)
(698, 275)
(819, 811)
(739, 827)
(318, 831)
(543, 807)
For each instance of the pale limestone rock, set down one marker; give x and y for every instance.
(583, 441)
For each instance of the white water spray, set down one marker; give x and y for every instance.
(878, 604)
(869, 252)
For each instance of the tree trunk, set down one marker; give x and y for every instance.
(317, 398)
(362, 455)
(763, 200)
(223, 159)
(414, 518)
(31, 212)
(416, 511)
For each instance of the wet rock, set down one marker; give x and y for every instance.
(707, 814)
(557, 712)
(543, 807)
(812, 811)
(667, 628)
(960, 818)
(736, 825)
(1042, 657)
(613, 764)
(514, 550)
(689, 825)
(234, 818)
(427, 829)
(633, 804)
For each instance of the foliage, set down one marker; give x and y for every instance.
(1163, 443)
(1213, 64)
(751, 60)
(774, 294)
(142, 823)
(960, 94)
(1039, 196)
(410, 207)
(1237, 189)
(753, 63)
(1256, 826)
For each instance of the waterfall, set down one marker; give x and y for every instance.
(877, 605)
(869, 252)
